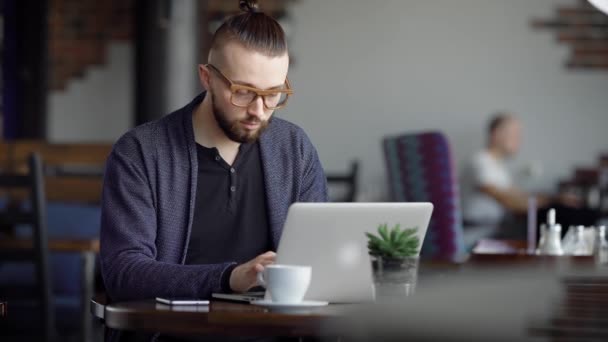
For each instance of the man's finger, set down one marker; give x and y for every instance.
(266, 262)
(261, 259)
(259, 268)
(262, 262)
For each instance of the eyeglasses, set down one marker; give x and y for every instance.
(243, 96)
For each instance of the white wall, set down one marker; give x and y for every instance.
(99, 106)
(366, 69)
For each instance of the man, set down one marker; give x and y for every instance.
(488, 189)
(195, 202)
(490, 195)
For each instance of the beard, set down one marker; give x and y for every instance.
(233, 130)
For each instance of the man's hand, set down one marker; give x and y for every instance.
(245, 276)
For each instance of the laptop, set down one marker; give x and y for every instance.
(330, 237)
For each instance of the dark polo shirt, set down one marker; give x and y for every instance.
(230, 219)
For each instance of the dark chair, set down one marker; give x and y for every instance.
(97, 307)
(346, 182)
(73, 183)
(29, 306)
(421, 169)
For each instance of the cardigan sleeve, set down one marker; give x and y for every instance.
(314, 182)
(128, 251)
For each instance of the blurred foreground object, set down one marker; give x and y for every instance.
(602, 5)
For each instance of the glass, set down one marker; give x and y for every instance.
(578, 241)
(243, 96)
(601, 247)
(394, 277)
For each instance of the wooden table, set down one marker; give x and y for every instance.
(225, 318)
(222, 318)
(87, 249)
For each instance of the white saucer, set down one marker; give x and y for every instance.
(302, 304)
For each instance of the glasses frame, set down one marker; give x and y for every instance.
(259, 92)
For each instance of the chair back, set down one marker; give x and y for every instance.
(420, 169)
(347, 182)
(30, 250)
(98, 306)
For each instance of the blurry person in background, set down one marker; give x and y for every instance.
(492, 202)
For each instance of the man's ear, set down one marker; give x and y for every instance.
(203, 76)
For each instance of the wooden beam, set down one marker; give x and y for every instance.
(587, 37)
(587, 64)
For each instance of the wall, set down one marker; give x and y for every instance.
(366, 69)
(92, 65)
(97, 107)
(90, 70)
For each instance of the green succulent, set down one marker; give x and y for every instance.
(394, 243)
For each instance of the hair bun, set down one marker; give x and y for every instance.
(250, 6)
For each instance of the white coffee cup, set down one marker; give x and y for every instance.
(286, 283)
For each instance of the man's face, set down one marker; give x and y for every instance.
(244, 67)
(508, 137)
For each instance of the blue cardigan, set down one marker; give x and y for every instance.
(148, 200)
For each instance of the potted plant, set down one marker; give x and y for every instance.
(394, 254)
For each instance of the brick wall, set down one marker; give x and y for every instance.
(585, 30)
(79, 32)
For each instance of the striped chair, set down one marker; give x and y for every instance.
(420, 169)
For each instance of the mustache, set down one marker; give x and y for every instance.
(252, 120)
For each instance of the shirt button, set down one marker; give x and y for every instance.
(217, 158)
(233, 188)
(232, 170)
